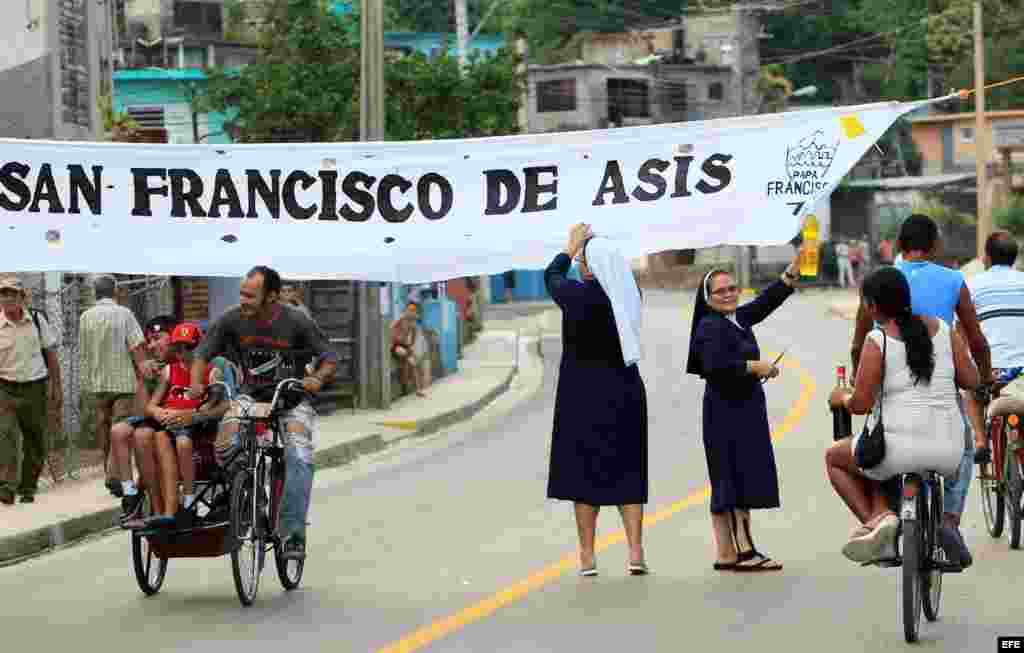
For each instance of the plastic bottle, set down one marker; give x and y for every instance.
(842, 420)
(809, 248)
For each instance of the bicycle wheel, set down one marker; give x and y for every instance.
(913, 548)
(1014, 490)
(993, 501)
(150, 570)
(932, 575)
(289, 572)
(247, 552)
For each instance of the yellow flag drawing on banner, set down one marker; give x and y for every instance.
(852, 126)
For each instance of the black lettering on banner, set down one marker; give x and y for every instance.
(46, 189)
(386, 208)
(80, 185)
(329, 194)
(271, 195)
(650, 173)
(534, 188)
(225, 194)
(423, 193)
(12, 179)
(682, 171)
(496, 181)
(141, 204)
(361, 196)
(714, 167)
(180, 196)
(612, 183)
(291, 204)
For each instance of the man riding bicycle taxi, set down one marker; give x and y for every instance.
(998, 295)
(177, 420)
(271, 342)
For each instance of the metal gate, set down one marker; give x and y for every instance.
(334, 308)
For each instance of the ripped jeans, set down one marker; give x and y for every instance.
(298, 460)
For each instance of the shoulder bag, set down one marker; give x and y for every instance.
(870, 448)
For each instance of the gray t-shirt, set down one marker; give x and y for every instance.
(266, 352)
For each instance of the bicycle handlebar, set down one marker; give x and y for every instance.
(290, 386)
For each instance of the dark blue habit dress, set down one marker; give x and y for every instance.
(599, 437)
(737, 438)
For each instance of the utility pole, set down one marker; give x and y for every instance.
(371, 128)
(461, 30)
(371, 79)
(980, 133)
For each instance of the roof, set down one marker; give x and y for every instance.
(633, 67)
(892, 183)
(951, 117)
(163, 74)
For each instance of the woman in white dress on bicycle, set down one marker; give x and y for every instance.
(925, 360)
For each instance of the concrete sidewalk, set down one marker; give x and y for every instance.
(75, 509)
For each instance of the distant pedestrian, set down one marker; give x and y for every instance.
(291, 295)
(885, 252)
(599, 438)
(403, 347)
(28, 358)
(112, 352)
(737, 438)
(845, 265)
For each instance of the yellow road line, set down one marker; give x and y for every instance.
(401, 424)
(452, 623)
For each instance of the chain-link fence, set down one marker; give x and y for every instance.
(72, 433)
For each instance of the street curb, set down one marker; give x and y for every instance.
(24, 546)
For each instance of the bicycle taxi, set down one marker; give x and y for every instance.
(237, 506)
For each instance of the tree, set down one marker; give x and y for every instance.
(550, 25)
(434, 99)
(304, 85)
(301, 85)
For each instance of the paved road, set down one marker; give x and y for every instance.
(448, 544)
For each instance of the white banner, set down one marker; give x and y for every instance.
(421, 211)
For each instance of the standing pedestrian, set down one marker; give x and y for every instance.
(845, 266)
(737, 438)
(112, 353)
(599, 436)
(30, 385)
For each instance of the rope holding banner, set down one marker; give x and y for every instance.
(965, 93)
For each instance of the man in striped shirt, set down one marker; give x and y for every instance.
(112, 354)
(998, 295)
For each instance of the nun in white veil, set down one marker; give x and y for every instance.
(599, 437)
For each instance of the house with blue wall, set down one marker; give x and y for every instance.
(158, 98)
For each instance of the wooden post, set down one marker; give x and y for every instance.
(980, 133)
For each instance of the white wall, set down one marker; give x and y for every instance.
(18, 43)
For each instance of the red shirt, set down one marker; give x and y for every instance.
(179, 378)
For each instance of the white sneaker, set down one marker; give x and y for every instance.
(872, 546)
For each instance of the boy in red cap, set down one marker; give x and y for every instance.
(180, 419)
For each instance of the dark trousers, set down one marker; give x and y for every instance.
(24, 441)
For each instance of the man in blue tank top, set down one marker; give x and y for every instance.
(939, 292)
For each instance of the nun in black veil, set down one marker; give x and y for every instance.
(737, 438)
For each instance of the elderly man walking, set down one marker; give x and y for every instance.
(112, 353)
(27, 359)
